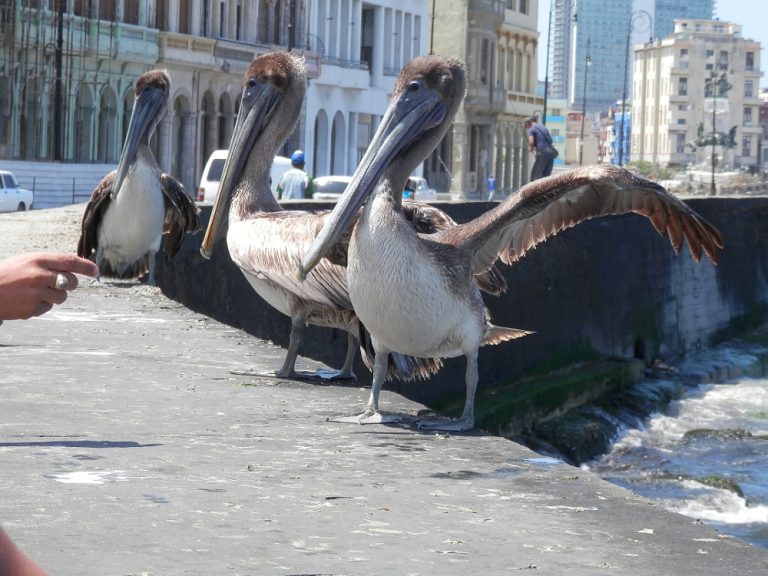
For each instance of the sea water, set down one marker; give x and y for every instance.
(705, 456)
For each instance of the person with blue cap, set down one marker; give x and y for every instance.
(295, 184)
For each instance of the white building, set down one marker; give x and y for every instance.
(353, 52)
(677, 97)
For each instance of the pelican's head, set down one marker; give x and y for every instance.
(150, 105)
(427, 95)
(273, 92)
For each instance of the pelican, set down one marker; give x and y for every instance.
(133, 206)
(390, 265)
(266, 242)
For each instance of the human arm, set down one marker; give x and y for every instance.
(13, 562)
(310, 189)
(28, 282)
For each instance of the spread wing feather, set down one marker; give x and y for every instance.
(545, 207)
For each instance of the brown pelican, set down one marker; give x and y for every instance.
(266, 242)
(133, 206)
(447, 316)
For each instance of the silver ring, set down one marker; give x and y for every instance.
(61, 282)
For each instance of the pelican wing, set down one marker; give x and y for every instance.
(545, 207)
(181, 213)
(270, 246)
(427, 219)
(100, 200)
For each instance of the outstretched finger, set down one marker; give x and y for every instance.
(69, 263)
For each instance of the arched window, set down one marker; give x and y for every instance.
(107, 126)
(83, 124)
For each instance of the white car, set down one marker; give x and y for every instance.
(329, 187)
(13, 198)
(209, 181)
(332, 187)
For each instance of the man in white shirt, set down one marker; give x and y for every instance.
(295, 184)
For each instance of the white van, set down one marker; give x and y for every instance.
(209, 181)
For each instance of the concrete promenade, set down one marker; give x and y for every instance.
(137, 438)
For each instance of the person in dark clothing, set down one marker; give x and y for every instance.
(540, 143)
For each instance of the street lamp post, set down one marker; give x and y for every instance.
(635, 19)
(587, 62)
(546, 67)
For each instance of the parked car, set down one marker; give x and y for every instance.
(209, 181)
(418, 189)
(12, 197)
(330, 187)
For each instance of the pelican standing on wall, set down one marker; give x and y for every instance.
(133, 206)
(264, 240)
(417, 294)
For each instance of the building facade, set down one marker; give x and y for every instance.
(68, 71)
(703, 78)
(665, 12)
(498, 41)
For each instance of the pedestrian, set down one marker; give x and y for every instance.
(491, 183)
(295, 184)
(30, 285)
(540, 143)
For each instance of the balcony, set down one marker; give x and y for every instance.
(488, 10)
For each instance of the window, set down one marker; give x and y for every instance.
(683, 53)
(682, 86)
(680, 143)
(709, 66)
(709, 53)
(748, 89)
(747, 116)
(746, 146)
(681, 121)
(510, 4)
(722, 60)
(749, 62)
(523, 6)
(684, 65)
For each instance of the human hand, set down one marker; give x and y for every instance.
(30, 284)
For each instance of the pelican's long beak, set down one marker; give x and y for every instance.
(256, 108)
(406, 120)
(150, 106)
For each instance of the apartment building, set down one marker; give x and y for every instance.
(498, 40)
(703, 78)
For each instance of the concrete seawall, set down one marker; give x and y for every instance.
(610, 286)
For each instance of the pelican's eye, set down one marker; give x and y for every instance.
(413, 86)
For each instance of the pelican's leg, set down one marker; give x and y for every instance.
(346, 369)
(152, 281)
(346, 372)
(371, 414)
(467, 420)
(294, 342)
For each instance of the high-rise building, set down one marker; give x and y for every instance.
(666, 11)
(612, 28)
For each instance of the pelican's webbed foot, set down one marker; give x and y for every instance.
(370, 416)
(448, 425)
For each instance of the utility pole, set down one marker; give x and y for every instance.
(58, 88)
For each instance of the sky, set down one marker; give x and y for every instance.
(751, 14)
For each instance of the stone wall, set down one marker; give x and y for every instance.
(610, 285)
